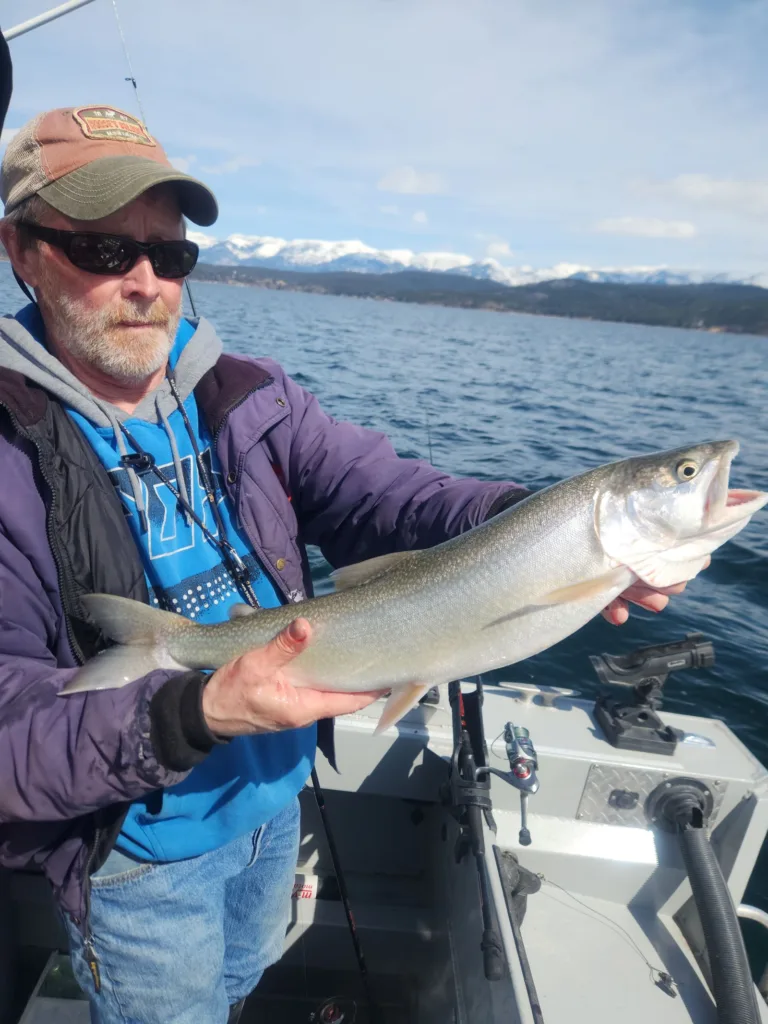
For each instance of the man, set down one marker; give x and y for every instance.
(136, 459)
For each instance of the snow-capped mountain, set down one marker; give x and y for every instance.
(314, 255)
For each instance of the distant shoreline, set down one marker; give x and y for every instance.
(716, 308)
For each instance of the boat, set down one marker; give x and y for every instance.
(509, 855)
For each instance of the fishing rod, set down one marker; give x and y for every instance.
(44, 19)
(469, 799)
(428, 426)
(467, 795)
(373, 1006)
(330, 1008)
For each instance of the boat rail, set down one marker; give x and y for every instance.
(749, 913)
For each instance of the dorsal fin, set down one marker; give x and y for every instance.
(362, 572)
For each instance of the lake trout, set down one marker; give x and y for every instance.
(499, 593)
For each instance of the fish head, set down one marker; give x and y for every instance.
(663, 515)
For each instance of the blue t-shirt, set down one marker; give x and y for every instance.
(246, 782)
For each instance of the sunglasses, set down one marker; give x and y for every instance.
(100, 253)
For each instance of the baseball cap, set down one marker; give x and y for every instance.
(87, 162)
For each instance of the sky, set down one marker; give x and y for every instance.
(606, 133)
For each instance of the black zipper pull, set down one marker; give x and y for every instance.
(140, 461)
(237, 567)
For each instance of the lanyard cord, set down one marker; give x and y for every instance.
(143, 461)
(202, 469)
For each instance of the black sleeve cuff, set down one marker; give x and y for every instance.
(178, 730)
(507, 500)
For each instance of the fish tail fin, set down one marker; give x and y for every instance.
(142, 634)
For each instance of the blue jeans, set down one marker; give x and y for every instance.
(179, 942)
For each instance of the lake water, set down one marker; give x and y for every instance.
(535, 399)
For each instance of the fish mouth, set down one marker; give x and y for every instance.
(726, 505)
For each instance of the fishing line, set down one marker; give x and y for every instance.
(659, 977)
(501, 757)
(131, 77)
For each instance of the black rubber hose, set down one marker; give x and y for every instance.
(732, 983)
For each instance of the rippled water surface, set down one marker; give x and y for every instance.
(534, 399)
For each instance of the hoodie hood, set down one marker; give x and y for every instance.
(196, 349)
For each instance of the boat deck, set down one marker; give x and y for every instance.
(570, 938)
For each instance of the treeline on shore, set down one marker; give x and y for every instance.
(742, 309)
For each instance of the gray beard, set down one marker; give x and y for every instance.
(96, 339)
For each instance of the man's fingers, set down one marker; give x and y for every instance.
(288, 643)
(617, 612)
(638, 591)
(654, 599)
(652, 602)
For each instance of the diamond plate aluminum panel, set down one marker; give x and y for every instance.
(616, 794)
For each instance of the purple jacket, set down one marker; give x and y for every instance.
(295, 475)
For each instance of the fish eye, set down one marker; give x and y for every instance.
(686, 470)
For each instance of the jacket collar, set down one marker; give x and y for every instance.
(219, 391)
(226, 386)
(25, 401)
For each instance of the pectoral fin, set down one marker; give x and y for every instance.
(361, 572)
(583, 591)
(400, 702)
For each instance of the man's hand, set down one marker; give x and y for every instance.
(651, 598)
(251, 694)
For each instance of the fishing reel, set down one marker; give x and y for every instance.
(523, 765)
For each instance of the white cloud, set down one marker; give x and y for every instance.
(747, 197)
(646, 227)
(499, 251)
(409, 181)
(391, 211)
(6, 135)
(504, 103)
(204, 241)
(238, 163)
(183, 163)
(420, 217)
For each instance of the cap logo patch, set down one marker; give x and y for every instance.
(110, 123)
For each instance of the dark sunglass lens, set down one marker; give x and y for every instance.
(174, 259)
(100, 254)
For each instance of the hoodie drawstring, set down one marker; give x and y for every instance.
(181, 482)
(133, 476)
